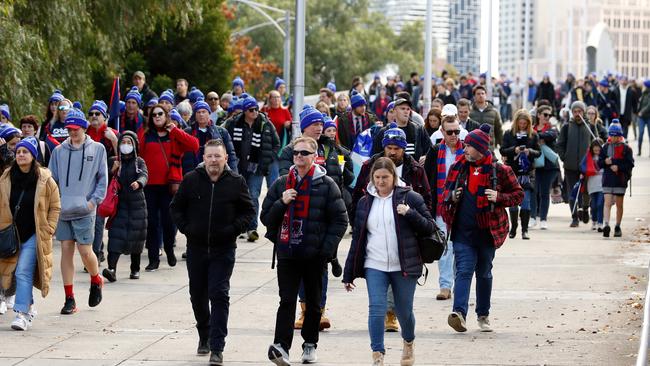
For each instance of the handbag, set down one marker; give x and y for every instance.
(432, 246)
(540, 160)
(9, 238)
(108, 207)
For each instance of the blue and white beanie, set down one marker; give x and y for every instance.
(31, 144)
(394, 136)
(100, 107)
(167, 95)
(195, 94)
(4, 110)
(134, 94)
(76, 119)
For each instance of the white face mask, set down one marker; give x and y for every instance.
(126, 148)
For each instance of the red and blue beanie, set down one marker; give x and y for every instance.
(31, 144)
(4, 110)
(57, 96)
(100, 107)
(201, 104)
(308, 116)
(277, 84)
(195, 94)
(76, 119)
(357, 100)
(480, 139)
(615, 129)
(168, 96)
(134, 94)
(238, 82)
(394, 136)
(328, 122)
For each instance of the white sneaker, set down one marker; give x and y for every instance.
(3, 307)
(21, 322)
(484, 324)
(543, 225)
(594, 226)
(533, 223)
(278, 355)
(11, 300)
(309, 353)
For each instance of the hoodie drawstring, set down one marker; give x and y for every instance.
(67, 174)
(83, 158)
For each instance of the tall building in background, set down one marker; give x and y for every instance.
(402, 12)
(464, 48)
(512, 28)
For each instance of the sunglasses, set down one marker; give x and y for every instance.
(63, 108)
(159, 114)
(252, 110)
(452, 132)
(213, 98)
(302, 152)
(94, 114)
(546, 115)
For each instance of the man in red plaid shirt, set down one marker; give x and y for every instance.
(477, 191)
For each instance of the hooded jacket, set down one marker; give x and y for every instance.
(573, 143)
(82, 176)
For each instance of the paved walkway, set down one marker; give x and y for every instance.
(566, 297)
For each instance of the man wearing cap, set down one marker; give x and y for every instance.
(256, 145)
(417, 139)
(79, 167)
(355, 121)
(572, 145)
(477, 191)
(484, 112)
(132, 119)
(100, 132)
(606, 102)
(436, 165)
(450, 112)
(204, 130)
(627, 103)
(139, 80)
(182, 87)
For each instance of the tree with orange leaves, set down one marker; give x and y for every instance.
(257, 73)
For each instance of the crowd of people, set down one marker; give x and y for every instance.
(368, 158)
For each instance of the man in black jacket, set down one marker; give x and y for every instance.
(305, 218)
(214, 193)
(417, 139)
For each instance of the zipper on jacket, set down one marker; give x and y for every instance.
(210, 216)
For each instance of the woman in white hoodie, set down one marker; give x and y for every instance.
(385, 252)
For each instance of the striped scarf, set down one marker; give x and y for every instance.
(441, 174)
(295, 217)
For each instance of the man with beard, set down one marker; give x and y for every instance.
(214, 193)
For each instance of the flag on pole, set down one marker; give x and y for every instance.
(114, 109)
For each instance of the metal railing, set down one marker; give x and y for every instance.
(642, 356)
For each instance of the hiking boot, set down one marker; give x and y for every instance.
(216, 359)
(324, 321)
(135, 275)
(377, 359)
(456, 320)
(445, 294)
(278, 355)
(21, 322)
(252, 235)
(95, 296)
(408, 356)
(109, 274)
(301, 317)
(390, 322)
(309, 353)
(171, 258)
(152, 267)
(606, 231)
(484, 323)
(525, 219)
(617, 231)
(337, 271)
(204, 347)
(69, 307)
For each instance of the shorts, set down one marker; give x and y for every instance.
(616, 191)
(80, 230)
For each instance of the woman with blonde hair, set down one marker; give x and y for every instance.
(519, 150)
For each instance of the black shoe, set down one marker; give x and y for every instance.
(101, 258)
(585, 216)
(109, 274)
(69, 307)
(337, 271)
(95, 296)
(606, 231)
(524, 235)
(512, 233)
(203, 348)
(574, 223)
(617, 231)
(135, 275)
(184, 255)
(85, 269)
(152, 267)
(216, 359)
(252, 236)
(171, 258)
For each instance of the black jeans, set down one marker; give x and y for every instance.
(290, 273)
(209, 275)
(160, 225)
(114, 257)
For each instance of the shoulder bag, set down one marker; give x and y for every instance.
(9, 238)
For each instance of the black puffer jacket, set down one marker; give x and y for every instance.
(270, 142)
(326, 223)
(417, 220)
(211, 215)
(128, 229)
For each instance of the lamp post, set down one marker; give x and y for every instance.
(428, 46)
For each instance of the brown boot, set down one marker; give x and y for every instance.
(301, 318)
(390, 323)
(408, 354)
(377, 359)
(324, 321)
(445, 294)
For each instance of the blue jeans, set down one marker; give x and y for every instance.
(542, 196)
(446, 262)
(274, 174)
(404, 290)
(525, 203)
(323, 295)
(254, 182)
(473, 258)
(643, 125)
(25, 275)
(597, 204)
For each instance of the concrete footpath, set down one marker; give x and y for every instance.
(566, 297)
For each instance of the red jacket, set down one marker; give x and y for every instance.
(163, 154)
(510, 194)
(98, 136)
